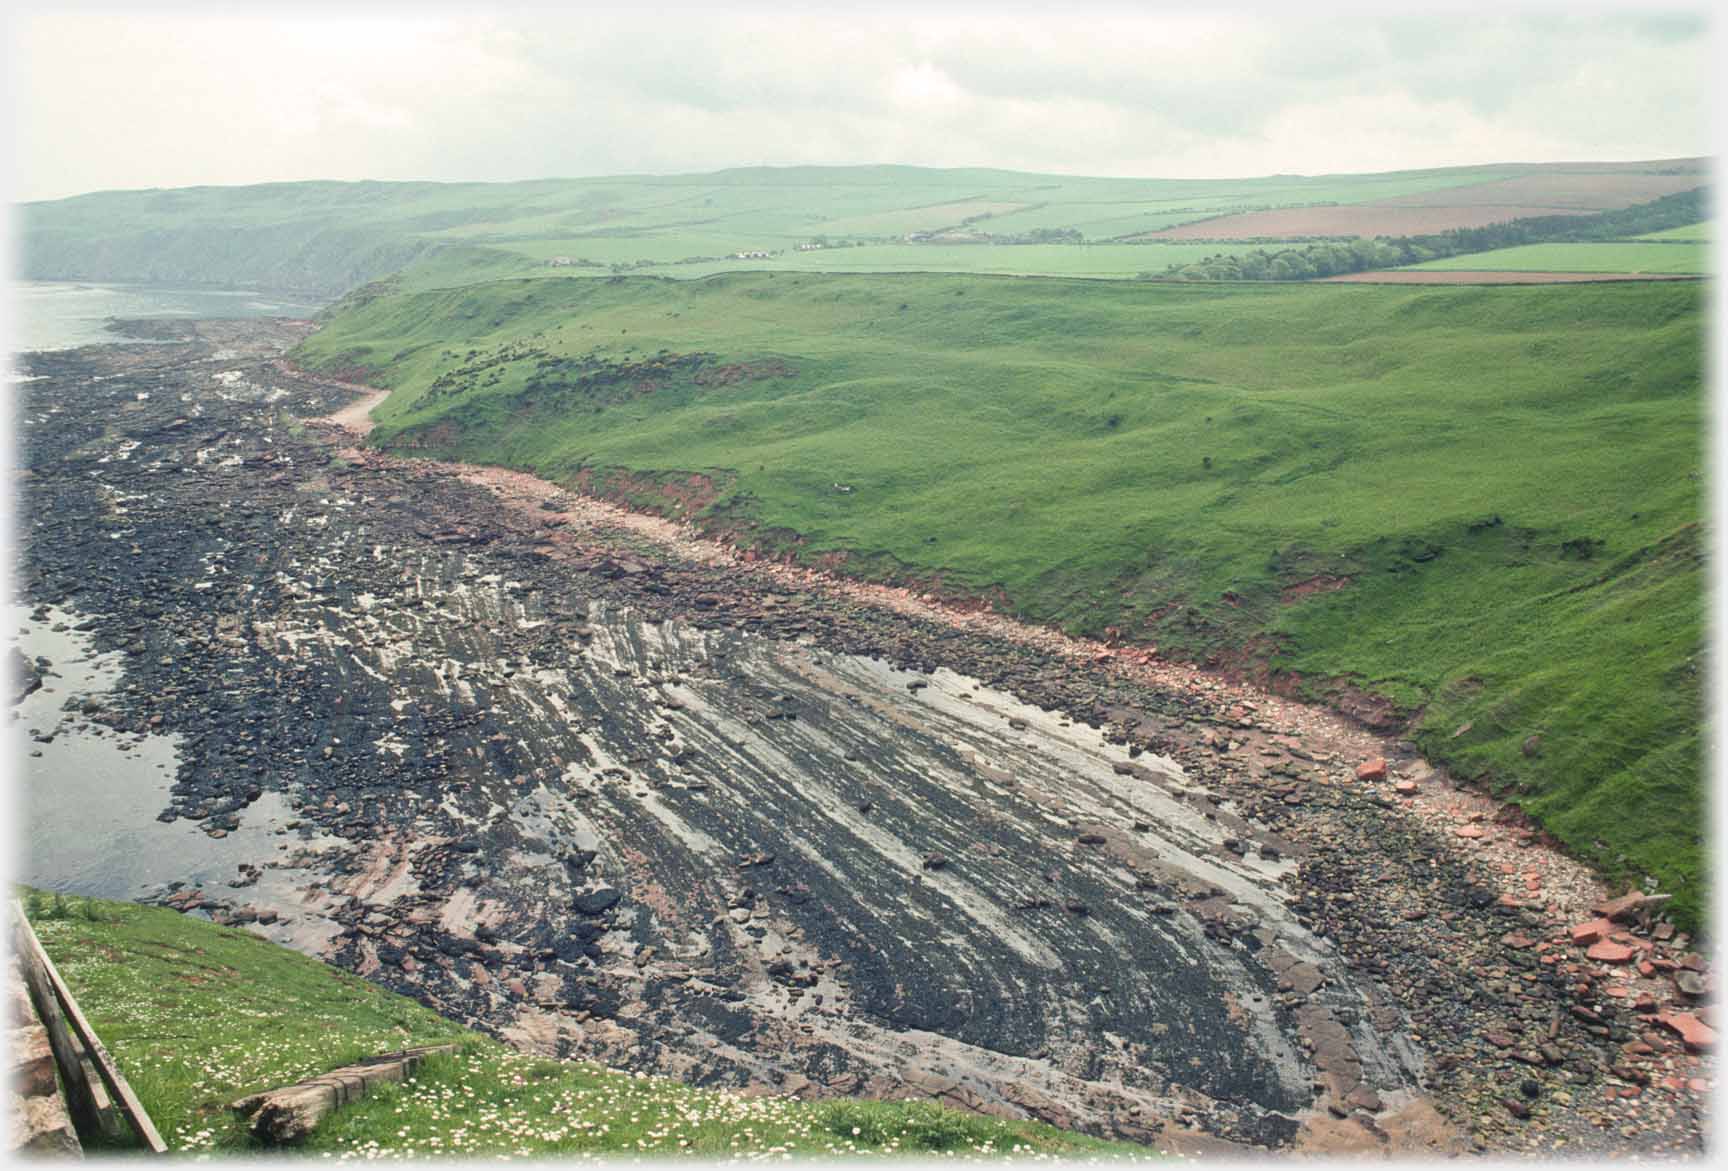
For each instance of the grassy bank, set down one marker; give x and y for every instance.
(1478, 504)
(198, 1015)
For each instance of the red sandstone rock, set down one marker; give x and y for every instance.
(1609, 952)
(1587, 933)
(1628, 905)
(1694, 1032)
(1372, 770)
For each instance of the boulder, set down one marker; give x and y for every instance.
(1372, 770)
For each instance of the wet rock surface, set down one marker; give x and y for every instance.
(679, 815)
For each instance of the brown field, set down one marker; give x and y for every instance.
(1436, 277)
(1553, 189)
(1361, 219)
(1547, 191)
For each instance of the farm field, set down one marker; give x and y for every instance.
(1577, 190)
(1701, 232)
(1365, 220)
(1495, 199)
(198, 1015)
(1606, 257)
(1168, 460)
(1086, 260)
(1415, 276)
(328, 237)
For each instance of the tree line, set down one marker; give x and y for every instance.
(1335, 257)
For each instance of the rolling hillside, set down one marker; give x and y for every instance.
(326, 238)
(1461, 501)
(1446, 504)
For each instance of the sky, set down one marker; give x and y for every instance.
(142, 95)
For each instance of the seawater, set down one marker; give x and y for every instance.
(83, 805)
(58, 315)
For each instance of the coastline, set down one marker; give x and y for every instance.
(1394, 882)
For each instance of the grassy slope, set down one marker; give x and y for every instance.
(199, 1015)
(328, 237)
(1612, 256)
(1051, 437)
(1701, 232)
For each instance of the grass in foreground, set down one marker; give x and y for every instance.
(1504, 482)
(198, 1015)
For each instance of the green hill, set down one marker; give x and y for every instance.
(1480, 505)
(325, 237)
(198, 1015)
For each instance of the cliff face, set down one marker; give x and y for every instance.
(316, 238)
(304, 258)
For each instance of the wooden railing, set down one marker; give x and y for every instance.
(97, 1095)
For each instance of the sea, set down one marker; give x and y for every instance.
(57, 315)
(80, 802)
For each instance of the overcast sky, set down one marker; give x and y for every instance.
(156, 96)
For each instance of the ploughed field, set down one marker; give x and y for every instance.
(1557, 189)
(677, 814)
(1441, 508)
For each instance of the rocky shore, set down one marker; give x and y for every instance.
(606, 790)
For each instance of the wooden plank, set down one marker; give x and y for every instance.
(108, 1120)
(80, 1100)
(129, 1105)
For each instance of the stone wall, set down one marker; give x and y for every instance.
(37, 1118)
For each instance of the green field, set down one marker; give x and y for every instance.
(1508, 476)
(1116, 261)
(1699, 232)
(1615, 256)
(198, 1016)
